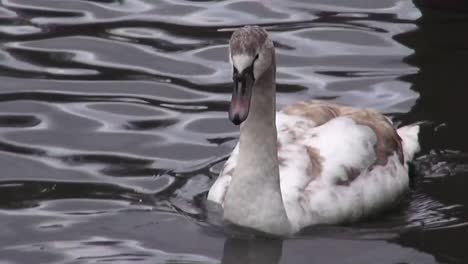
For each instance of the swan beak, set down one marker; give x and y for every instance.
(241, 94)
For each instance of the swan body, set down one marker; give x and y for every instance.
(310, 163)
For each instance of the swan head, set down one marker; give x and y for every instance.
(251, 53)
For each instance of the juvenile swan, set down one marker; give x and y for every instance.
(310, 163)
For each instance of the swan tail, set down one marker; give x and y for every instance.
(410, 140)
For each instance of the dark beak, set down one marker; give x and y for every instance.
(241, 95)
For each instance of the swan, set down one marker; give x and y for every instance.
(312, 162)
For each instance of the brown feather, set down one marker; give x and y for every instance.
(388, 141)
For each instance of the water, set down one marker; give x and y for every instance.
(113, 125)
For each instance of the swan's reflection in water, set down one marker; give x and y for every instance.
(319, 250)
(252, 251)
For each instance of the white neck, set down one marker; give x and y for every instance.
(254, 196)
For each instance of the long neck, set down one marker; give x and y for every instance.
(254, 196)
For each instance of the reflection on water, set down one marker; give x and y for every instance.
(250, 251)
(263, 251)
(113, 125)
(441, 81)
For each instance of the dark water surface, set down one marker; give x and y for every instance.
(113, 125)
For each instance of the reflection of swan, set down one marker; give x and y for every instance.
(319, 250)
(252, 251)
(314, 163)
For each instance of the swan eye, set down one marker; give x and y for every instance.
(235, 73)
(251, 67)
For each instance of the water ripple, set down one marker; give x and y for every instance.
(113, 123)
